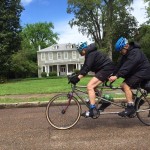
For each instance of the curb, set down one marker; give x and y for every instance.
(22, 105)
(35, 104)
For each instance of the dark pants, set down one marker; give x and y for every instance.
(133, 81)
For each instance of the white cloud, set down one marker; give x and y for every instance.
(68, 34)
(26, 2)
(139, 11)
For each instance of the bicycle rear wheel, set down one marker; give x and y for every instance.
(143, 111)
(63, 111)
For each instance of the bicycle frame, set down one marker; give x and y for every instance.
(76, 89)
(61, 116)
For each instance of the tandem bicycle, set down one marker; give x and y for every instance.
(64, 110)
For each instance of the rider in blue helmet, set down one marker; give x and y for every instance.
(120, 44)
(134, 67)
(82, 47)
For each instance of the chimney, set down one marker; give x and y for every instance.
(39, 47)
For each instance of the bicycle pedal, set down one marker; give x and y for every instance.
(122, 115)
(131, 116)
(84, 115)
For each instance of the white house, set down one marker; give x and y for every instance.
(60, 58)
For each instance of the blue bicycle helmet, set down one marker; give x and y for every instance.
(120, 44)
(82, 46)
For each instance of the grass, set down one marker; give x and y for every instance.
(41, 86)
(37, 86)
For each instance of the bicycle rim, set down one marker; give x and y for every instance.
(143, 112)
(61, 114)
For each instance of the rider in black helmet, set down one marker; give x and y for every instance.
(99, 63)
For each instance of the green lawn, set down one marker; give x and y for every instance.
(37, 86)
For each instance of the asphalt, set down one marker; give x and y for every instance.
(28, 129)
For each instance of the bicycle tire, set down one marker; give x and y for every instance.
(61, 114)
(143, 111)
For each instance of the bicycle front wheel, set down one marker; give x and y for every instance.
(143, 111)
(63, 111)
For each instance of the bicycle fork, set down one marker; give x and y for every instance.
(69, 95)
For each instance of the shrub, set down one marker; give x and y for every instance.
(2, 79)
(76, 71)
(53, 73)
(44, 74)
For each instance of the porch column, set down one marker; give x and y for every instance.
(67, 68)
(79, 66)
(58, 70)
(47, 70)
(76, 66)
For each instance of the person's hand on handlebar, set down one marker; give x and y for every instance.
(112, 78)
(74, 79)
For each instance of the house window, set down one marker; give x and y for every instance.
(55, 47)
(59, 56)
(74, 66)
(50, 56)
(42, 56)
(74, 55)
(50, 68)
(65, 55)
(43, 69)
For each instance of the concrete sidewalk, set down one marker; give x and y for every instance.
(23, 105)
(36, 104)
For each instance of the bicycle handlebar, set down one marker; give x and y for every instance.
(110, 85)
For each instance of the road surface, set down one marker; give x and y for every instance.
(28, 129)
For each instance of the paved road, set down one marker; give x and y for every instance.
(28, 129)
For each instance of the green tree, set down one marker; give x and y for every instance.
(148, 10)
(24, 62)
(100, 18)
(143, 37)
(39, 34)
(10, 41)
(22, 65)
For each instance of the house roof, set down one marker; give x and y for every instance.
(59, 47)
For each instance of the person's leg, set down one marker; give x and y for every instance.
(93, 83)
(129, 83)
(128, 93)
(93, 112)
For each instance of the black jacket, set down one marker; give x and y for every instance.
(133, 63)
(95, 61)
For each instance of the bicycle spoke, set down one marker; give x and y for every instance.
(143, 113)
(62, 113)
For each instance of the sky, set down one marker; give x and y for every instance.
(55, 11)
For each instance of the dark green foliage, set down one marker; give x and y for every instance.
(10, 11)
(143, 37)
(53, 74)
(76, 71)
(44, 74)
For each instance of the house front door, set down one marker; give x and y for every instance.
(62, 70)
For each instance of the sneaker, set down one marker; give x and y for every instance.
(103, 106)
(129, 111)
(93, 113)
